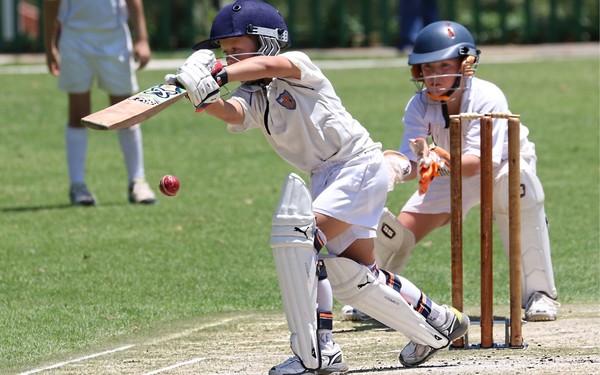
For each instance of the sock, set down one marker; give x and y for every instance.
(130, 140)
(325, 331)
(324, 308)
(324, 295)
(76, 148)
(325, 339)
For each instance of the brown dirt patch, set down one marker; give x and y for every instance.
(252, 343)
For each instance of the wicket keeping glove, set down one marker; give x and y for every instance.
(432, 161)
(398, 167)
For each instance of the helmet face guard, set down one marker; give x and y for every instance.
(438, 41)
(444, 94)
(249, 17)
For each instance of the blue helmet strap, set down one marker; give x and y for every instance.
(446, 97)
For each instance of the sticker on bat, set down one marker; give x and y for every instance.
(157, 94)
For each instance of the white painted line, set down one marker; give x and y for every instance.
(191, 331)
(190, 362)
(78, 360)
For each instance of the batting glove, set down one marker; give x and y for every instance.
(195, 75)
(203, 57)
(398, 167)
(433, 161)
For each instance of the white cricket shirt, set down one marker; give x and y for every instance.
(423, 119)
(303, 120)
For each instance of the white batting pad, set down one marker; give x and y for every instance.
(293, 220)
(296, 264)
(538, 274)
(355, 285)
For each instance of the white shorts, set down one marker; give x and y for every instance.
(353, 192)
(105, 55)
(437, 198)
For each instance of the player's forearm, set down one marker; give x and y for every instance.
(229, 111)
(262, 67)
(138, 20)
(51, 24)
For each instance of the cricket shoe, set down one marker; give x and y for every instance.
(81, 196)
(456, 326)
(332, 363)
(540, 308)
(352, 314)
(140, 192)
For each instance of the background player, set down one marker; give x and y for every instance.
(289, 99)
(91, 39)
(443, 64)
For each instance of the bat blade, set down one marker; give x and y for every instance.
(135, 109)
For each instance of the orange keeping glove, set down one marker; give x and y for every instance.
(432, 161)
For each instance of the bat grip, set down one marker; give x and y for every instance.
(220, 74)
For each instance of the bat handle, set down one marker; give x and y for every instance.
(219, 74)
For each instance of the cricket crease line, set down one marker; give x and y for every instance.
(60, 364)
(190, 362)
(190, 331)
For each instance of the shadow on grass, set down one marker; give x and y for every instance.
(56, 207)
(398, 368)
(365, 325)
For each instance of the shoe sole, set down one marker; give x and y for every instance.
(458, 333)
(339, 368)
(540, 317)
(432, 352)
(144, 201)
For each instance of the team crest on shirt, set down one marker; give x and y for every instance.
(286, 100)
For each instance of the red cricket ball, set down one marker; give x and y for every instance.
(169, 185)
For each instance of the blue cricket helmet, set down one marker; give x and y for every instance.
(442, 40)
(249, 17)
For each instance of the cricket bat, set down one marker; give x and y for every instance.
(134, 109)
(137, 108)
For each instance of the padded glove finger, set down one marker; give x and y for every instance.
(203, 57)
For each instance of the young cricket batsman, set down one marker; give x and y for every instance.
(287, 98)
